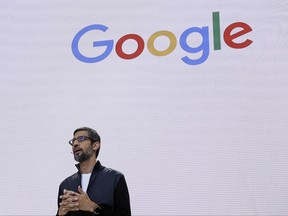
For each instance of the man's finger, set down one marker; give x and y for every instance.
(70, 206)
(68, 194)
(80, 190)
(70, 199)
(73, 205)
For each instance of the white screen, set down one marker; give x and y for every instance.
(205, 139)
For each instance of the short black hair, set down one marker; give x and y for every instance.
(92, 134)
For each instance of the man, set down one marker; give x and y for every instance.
(94, 189)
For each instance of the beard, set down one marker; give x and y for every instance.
(84, 155)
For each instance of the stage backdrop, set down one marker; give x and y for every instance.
(190, 99)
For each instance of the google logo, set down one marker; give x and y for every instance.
(231, 32)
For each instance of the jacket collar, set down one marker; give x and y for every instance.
(96, 168)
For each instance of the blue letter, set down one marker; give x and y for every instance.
(107, 43)
(204, 46)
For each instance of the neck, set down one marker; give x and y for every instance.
(88, 165)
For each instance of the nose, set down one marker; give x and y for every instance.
(75, 144)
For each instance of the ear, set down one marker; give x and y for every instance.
(96, 146)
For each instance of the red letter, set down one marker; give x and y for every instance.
(139, 50)
(229, 37)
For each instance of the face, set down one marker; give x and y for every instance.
(83, 150)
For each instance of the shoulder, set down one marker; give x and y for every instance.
(110, 174)
(110, 171)
(72, 178)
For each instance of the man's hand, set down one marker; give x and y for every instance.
(84, 202)
(72, 201)
(68, 202)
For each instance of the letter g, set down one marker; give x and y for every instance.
(107, 43)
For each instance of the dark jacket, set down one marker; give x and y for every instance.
(107, 188)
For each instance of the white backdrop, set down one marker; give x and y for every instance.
(206, 139)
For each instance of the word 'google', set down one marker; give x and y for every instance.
(232, 32)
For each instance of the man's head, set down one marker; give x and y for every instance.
(86, 143)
